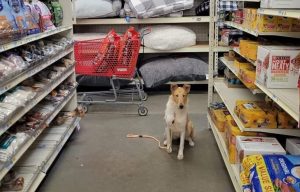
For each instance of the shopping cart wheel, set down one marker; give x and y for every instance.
(144, 96)
(89, 100)
(85, 108)
(143, 111)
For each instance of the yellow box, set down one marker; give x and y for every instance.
(271, 115)
(285, 121)
(295, 25)
(267, 23)
(252, 50)
(251, 115)
(238, 64)
(247, 75)
(284, 24)
(219, 118)
(231, 131)
(253, 19)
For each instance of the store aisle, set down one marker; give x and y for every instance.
(100, 158)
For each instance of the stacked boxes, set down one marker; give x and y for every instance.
(248, 49)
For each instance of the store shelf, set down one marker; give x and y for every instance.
(201, 47)
(292, 13)
(237, 50)
(15, 80)
(160, 20)
(32, 38)
(8, 165)
(21, 112)
(231, 168)
(231, 95)
(232, 68)
(243, 0)
(222, 49)
(287, 99)
(256, 33)
(204, 82)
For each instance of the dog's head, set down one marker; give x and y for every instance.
(180, 94)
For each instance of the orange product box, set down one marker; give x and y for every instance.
(247, 75)
(295, 25)
(284, 24)
(219, 118)
(267, 23)
(253, 18)
(252, 50)
(285, 121)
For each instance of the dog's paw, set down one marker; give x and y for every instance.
(169, 149)
(165, 143)
(191, 143)
(180, 156)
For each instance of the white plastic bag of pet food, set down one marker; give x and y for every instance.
(33, 12)
(8, 26)
(32, 24)
(18, 11)
(45, 15)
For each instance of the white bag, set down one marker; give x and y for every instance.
(97, 8)
(168, 37)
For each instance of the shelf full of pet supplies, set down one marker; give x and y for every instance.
(287, 99)
(232, 169)
(257, 33)
(237, 50)
(230, 95)
(291, 13)
(6, 166)
(34, 165)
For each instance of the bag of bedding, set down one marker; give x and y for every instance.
(8, 25)
(154, 8)
(273, 173)
(44, 14)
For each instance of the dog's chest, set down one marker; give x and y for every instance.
(180, 122)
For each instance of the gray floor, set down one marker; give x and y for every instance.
(99, 158)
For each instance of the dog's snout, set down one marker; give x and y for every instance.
(181, 106)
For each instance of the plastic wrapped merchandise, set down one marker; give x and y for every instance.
(8, 26)
(31, 21)
(33, 11)
(57, 12)
(45, 15)
(169, 37)
(18, 11)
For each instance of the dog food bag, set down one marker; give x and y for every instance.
(31, 22)
(248, 145)
(8, 25)
(33, 11)
(45, 15)
(56, 11)
(273, 173)
(18, 11)
(278, 66)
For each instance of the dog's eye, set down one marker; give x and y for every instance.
(183, 95)
(176, 95)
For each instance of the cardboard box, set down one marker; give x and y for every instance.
(247, 145)
(278, 66)
(295, 25)
(267, 23)
(293, 146)
(231, 80)
(293, 4)
(284, 24)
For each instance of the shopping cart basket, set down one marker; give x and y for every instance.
(114, 57)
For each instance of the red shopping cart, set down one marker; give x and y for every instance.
(114, 57)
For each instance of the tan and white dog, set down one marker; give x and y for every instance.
(178, 124)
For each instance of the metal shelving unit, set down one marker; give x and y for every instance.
(287, 99)
(34, 175)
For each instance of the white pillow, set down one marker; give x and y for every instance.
(93, 8)
(169, 37)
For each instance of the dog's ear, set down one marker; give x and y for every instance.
(173, 87)
(187, 88)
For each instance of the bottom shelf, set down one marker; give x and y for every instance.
(37, 161)
(231, 168)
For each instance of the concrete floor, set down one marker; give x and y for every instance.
(99, 158)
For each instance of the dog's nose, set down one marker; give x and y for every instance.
(181, 106)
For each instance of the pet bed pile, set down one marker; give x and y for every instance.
(160, 70)
(97, 8)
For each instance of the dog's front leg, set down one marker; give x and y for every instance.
(169, 139)
(181, 145)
